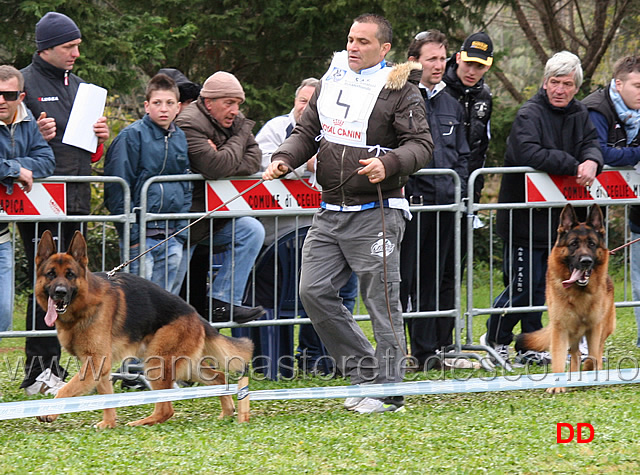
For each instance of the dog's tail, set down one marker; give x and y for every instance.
(232, 354)
(538, 340)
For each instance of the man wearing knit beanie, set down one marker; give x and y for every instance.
(51, 89)
(222, 145)
(54, 29)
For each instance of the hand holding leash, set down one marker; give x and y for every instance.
(275, 170)
(374, 169)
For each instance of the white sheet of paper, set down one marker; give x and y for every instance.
(88, 107)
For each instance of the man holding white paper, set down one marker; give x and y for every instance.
(51, 89)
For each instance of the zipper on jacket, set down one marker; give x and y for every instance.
(166, 152)
(164, 164)
(342, 175)
(66, 78)
(12, 130)
(411, 119)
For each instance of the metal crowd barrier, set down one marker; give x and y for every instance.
(487, 212)
(103, 219)
(463, 207)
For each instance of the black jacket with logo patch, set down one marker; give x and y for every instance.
(52, 90)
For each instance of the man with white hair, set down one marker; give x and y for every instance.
(552, 132)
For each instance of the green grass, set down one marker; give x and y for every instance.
(498, 432)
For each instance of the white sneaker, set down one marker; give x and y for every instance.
(501, 349)
(351, 402)
(584, 348)
(371, 405)
(34, 388)
(46, 383)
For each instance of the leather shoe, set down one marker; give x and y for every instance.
(222, 312)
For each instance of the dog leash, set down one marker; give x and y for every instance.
(613, 251)
(118, 268)
(384, 245)
(113, 271)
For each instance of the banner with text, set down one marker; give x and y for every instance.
(44, 199)
(276, 194)
(609, 185)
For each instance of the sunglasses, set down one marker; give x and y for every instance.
(10, 95)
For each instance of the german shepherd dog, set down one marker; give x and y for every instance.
(102, 319)
(579, 294)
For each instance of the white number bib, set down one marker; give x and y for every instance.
(347, 100)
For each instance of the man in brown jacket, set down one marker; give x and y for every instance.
(221, 145)
(371, 124)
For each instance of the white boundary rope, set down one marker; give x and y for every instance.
(16, 410)
(43, 407)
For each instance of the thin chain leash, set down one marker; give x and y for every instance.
(613, 251)
(113, 271)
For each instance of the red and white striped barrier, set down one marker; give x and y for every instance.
(276, 194)
(44, 199)
(609, 185)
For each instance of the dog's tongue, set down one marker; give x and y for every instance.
(575, 276)
(52, 315)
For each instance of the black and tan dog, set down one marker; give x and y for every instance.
(102, 319)
(579, 294)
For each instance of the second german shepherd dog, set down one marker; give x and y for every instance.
(102, 319)
(579, 294)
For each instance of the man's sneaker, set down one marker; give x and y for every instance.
(222, 312)
(540, 358)
(46, 383)
(352, 402)
(501, 349)
(583, 347)
(371, 405)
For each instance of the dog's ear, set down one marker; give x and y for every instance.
(596, 219)
(78, 249)
(46, 248)
(568, 219)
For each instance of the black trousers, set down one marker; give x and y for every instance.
(431, 333)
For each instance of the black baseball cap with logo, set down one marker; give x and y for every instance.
(479, 48)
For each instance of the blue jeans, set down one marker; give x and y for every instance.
(247, 236)
(161, 265)
(635, 279)
(6, 285)
(244, 236)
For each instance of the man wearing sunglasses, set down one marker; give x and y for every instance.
(24, 155)
(50, 89)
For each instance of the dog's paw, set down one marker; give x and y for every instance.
(105, 425)
(556, 390)
(49, 418)
(226, 414)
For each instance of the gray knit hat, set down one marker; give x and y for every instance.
(54, 29)
(222, 84)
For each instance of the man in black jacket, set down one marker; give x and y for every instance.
(464, 78)
(435, 249)
(50, 91)
(552, 132)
